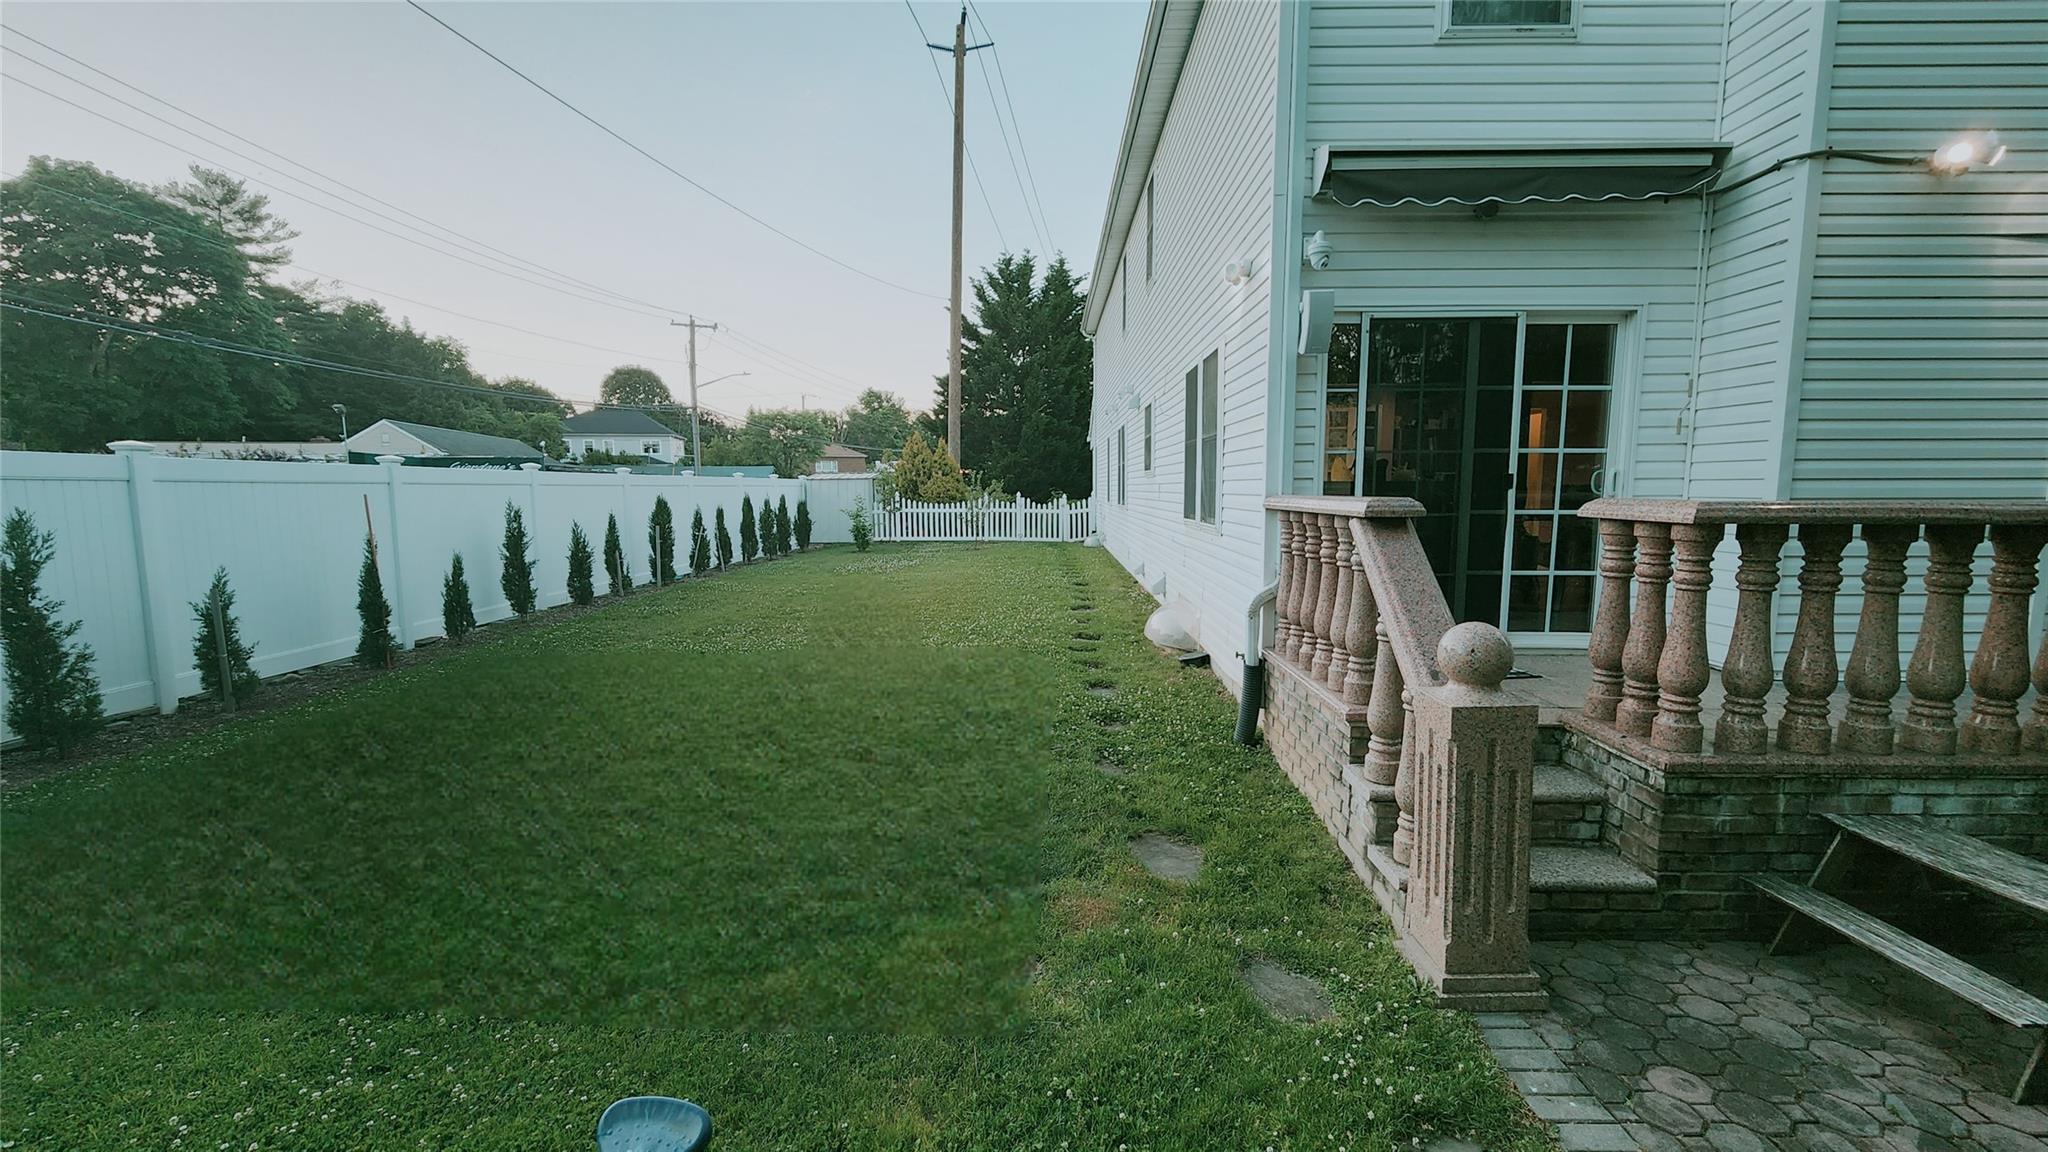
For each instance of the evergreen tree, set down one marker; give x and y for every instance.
(206, 646)
(661, 542)
(617, 568)
(783, 537)
(457, 617)
(925, 472)
(375, 646)
(582, 589)
(766, 529)
(750, 540)
(803, 525)
(700, 545)
(516, 554)
(723, 540)
(53, 699)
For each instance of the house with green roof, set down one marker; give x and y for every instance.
(404, 438)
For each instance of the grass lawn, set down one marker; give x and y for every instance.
(823, 844)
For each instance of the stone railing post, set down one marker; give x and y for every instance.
(1310, 528)
(1340, 609)
(1284, 628)
(1610, 622)
(1467, 931)
(1682, 669)
(1326, 594)
(1998, 674)
(1934, 677)
(1810, 668)
(1645, 647)
(1747, 671)
(1359, 626)
(1873, 672)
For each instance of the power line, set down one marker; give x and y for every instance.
(508, 256)
(1004, 79)
(663, 164)
(1016, 172)
(782, 363)
(971, 167)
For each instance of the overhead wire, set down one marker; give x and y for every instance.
(665, 165)
(1009, 153)
(1002, 76)
(969, 152)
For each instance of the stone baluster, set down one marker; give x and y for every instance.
(1284, 627)
(1403, 848)
(1359, 626)
(2036, 735)
(1383, 713)
(1467, 921)
(1311, 583)
(1682, 668)
(1810, 666)
(1325, 561)
(1934, 677)
(1873, 673)
(1610, 622)
(1638, 707)
(1746, 673)
(1998, 674)
(1340, 607)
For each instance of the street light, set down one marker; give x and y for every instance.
(343, 409)
(696, 438)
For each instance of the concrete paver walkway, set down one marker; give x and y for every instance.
(1695, 1047)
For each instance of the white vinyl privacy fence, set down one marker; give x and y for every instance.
(139, 536)
(1020, 519)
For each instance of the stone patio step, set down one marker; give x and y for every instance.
(1557, 784)
(1555, 868)
(1569, 807)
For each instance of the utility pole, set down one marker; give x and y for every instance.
(696, 439)
(959, 48)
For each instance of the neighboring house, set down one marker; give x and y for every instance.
(403, 438)
(624, 432)
(839, 459)
(1600, 251)
(252, 449)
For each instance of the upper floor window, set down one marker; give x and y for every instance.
(1148, 438)
(1491, 17)
(1151, 195)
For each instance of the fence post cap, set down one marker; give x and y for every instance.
(388, 458)
(623, 470)
(128, 447)
(529, 466)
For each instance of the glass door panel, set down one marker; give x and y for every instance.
(1561, 463)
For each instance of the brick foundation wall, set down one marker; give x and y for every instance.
(1702, 830)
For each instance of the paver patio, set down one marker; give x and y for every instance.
(839, 846)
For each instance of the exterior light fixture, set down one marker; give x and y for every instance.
(1237, 271)
(1967, 151)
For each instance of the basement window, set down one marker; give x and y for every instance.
(1509, 18)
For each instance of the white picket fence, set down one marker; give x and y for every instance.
(139, 536)
(1020, 519)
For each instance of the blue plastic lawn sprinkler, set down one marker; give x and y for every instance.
(653, 1124)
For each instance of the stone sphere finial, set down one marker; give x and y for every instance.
(1475, 655)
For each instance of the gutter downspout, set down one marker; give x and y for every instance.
(1252, 693)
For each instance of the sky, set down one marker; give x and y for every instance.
(826, 120)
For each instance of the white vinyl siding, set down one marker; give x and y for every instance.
(1926, 354)
(1215, 163)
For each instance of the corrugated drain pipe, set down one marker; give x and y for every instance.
(1252, 692)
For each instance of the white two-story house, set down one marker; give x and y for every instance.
(1503, 256)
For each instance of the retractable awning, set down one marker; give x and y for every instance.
(1392, 176)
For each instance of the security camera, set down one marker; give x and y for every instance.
(1316, 253)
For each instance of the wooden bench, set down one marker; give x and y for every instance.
(1986, 867)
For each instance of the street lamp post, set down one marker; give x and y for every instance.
(696, 440)
(343, 409)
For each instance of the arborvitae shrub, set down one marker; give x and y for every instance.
(661, 542)
(206, 646)
(375, 646)
(617, 568)
(723, 539)
(784, 537)
(803, 525)
(750, 540)
(517, 555)
(766, 529)
(700, 545)
(53, 699)
(582, 587)
(457, 616)
(863, 526)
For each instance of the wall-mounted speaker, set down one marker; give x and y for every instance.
(1318, 316)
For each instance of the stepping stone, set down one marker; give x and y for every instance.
(1169, 860)
(1109, 767)
(1103, 690)
(1087, 636)
(1287, 995)
(1116, 725)
(1090, 665)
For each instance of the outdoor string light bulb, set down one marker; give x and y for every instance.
(1967, 151)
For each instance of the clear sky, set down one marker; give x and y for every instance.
(824, 119)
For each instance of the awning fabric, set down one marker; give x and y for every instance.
(1390, 178)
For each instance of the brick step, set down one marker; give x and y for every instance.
(1569, 807)
(1556, 869)
(1585, 892)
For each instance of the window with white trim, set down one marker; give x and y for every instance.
(1147, 448)
(1123, 467)
(1507, 16)
(1151, 195)
(1201, 442)
(1123, 294)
